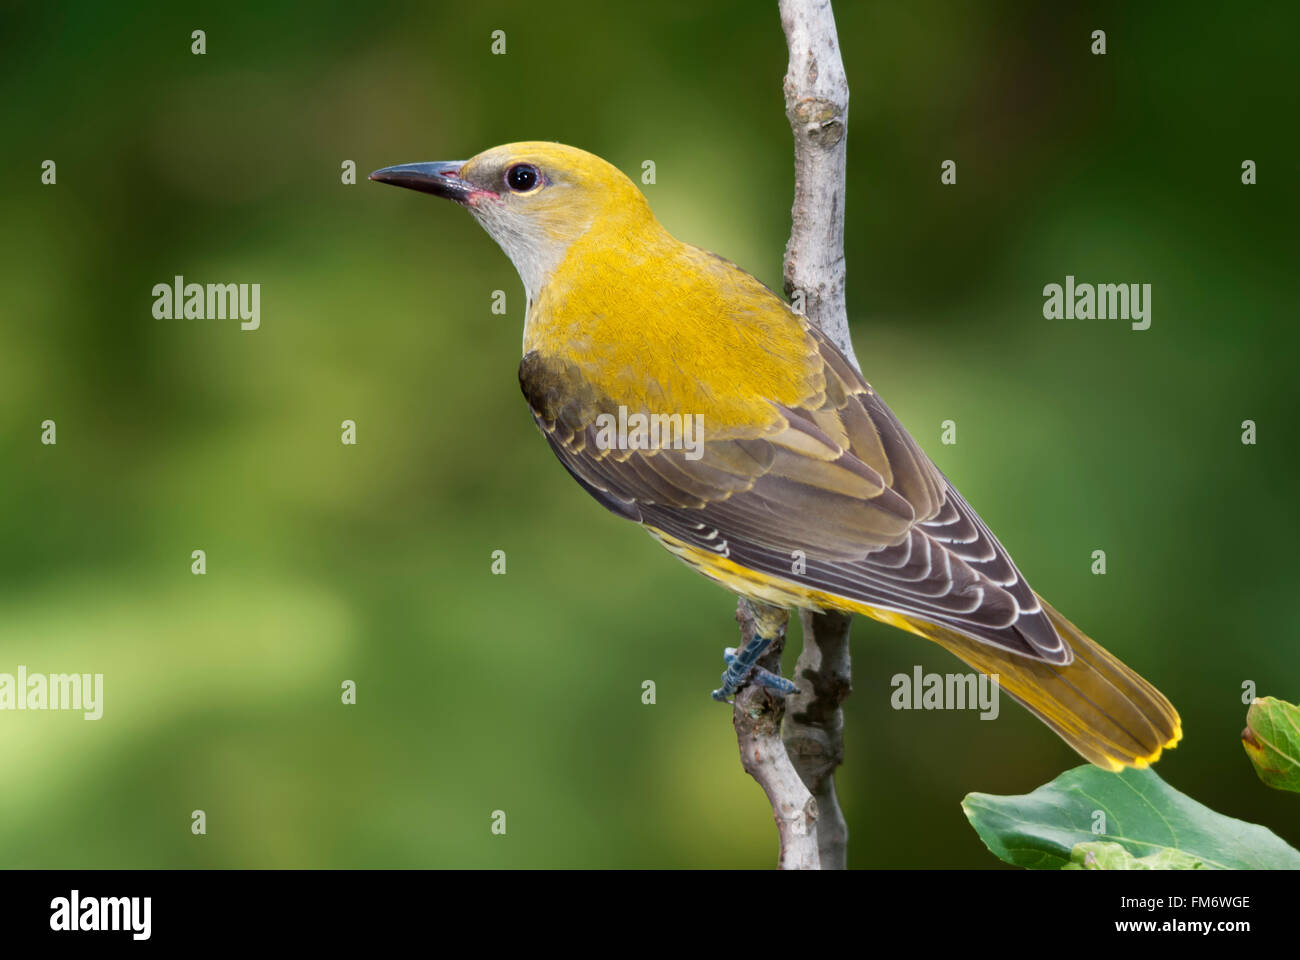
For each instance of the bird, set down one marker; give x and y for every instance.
(779, 472)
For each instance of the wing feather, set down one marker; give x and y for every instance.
(837, 479)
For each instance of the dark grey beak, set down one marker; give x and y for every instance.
(440, 179)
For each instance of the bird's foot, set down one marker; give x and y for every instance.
(741, 664)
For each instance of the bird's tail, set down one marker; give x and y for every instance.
(1097, 705)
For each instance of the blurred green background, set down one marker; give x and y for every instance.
(371, 562)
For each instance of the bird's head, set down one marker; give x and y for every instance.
(536, 199)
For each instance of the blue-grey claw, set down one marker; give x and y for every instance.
(741, 663)
(775, 682)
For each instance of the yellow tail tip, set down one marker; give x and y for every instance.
(1116, 765)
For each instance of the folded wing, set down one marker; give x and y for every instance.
(836, 478)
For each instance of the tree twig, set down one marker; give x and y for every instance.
(806, 809)
(814, 724)
(817, 106)
(757, 716)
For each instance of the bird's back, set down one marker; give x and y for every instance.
(661, 326)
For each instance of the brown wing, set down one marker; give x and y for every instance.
(837, 478)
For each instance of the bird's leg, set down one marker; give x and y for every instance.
(769, 623)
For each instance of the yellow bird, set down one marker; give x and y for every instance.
(686, 396)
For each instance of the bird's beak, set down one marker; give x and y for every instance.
(440, 179)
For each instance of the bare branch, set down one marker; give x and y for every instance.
(757, 717)
(817, 106)
(798, 773)
(814, 724)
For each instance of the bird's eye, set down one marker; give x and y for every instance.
(522, 177)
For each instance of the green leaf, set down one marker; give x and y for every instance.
(1134, 808)
(1272, 741)
(1108, 855)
